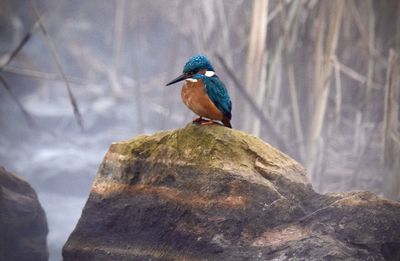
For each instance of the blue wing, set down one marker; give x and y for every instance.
(218, 94)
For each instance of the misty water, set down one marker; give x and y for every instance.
(58, 158)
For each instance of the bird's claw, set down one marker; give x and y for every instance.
(198, 120)
(204, 123)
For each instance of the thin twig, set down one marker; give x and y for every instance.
(355, 75)
(57, 60)
(358, 21)
(44, 75)
(278, 8)
(25, 113)
(318, 211)
(21, 44)
(3, 81)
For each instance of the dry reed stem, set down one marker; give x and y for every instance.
(355, 75)
(318, 63)
(390, 117)
(358, 19)
(118, 41)
(296, 110)
(395, 137)
(274, 13)
(338, 96)
(272, 133)
(118, 32)
(391, 149)
(275, 69)
(270, 92)
(255, 63)
(371, 52)
(292, 25)
(323, 78)
(138, 86)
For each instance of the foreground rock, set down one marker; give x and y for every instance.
(23, 225)
(212, 193)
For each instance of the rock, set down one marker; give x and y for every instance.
(23, 225)
(213, 193)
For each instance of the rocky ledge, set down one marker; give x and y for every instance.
(213, 193)
(23, 224)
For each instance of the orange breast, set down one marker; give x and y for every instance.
(195, 97)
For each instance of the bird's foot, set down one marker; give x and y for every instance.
(209, 122)
(202, 121)
(198, 120)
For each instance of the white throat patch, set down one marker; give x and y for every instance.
(191, 80)
(209, 73)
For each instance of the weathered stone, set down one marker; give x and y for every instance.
(23, 225)
(213, 193)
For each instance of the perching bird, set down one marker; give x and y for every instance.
(204, 93)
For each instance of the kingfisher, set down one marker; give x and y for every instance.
(204, 93)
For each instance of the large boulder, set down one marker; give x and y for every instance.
(213, 193)
(23, 225)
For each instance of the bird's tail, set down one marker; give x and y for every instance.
(227, 122)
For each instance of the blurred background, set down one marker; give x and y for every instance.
(317, 79)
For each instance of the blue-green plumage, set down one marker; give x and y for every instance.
(197, 63)
(218, 93)
(199, 69)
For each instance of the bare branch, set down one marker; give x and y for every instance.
(19, 47)
(60, 69)
(25, 113)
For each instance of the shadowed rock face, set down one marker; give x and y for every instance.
(23, 225)
(213, 193)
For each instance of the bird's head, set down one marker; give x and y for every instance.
(198, 64)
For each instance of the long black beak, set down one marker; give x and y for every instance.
(179, 78)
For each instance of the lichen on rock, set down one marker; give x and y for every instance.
(213, 193)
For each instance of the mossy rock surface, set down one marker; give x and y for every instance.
(213, 193)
